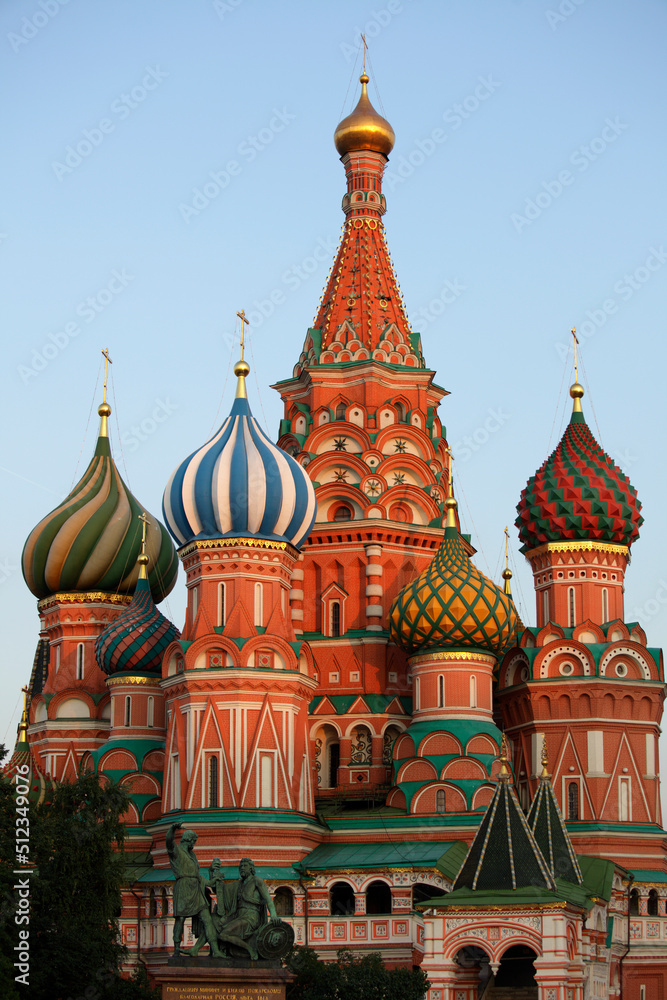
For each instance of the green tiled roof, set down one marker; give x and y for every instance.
(393, 854)
(550, 832)
(504, 853)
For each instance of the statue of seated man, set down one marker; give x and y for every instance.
(189, 895)
(243, 912)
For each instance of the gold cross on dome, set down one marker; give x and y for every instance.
(244, 322)
(144, 524)
(107, 362)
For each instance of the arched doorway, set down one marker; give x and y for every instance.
(474, 968)
(378, 898)
(517, 968)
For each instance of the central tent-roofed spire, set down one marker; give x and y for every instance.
(361, 315)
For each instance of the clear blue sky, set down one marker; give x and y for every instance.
(525, 195)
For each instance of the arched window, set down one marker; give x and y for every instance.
(195, 601)
(150, 712)
(390, 734)
(440, 802)
(416, 689)
(605, 605)
(80, 655)
(259, 611)
(165, 903)
(378, 898)
(221, 604)
(573, 800)
(57, 658)
(652, 904)
(473, 691)
(343, 513)
(284, 902)
(341, 899)
(572, 608)
(128, 711)
(441, 691)
(152, 904)
(400, 411)
(335, 618)
(634, 903)
(340, 411)
(213, 782)
(545, 607)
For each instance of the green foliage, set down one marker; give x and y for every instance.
(76, 841)
(351, 978)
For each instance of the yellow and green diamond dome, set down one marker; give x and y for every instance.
(451, 605)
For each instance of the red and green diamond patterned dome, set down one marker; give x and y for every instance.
(135, 641)
(578, 494)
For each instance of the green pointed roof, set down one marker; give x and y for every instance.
(504, 854)
(550, 832)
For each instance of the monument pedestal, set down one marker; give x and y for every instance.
(222, 979)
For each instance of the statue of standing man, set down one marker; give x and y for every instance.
(189, 896)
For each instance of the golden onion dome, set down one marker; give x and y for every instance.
(364, 128)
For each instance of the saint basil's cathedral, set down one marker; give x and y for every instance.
(350, 701)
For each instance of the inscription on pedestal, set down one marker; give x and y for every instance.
(175, 991)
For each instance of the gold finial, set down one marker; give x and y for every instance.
(545, 759)
(104, 409)
(23, 724)
(241, 368)
(504, 774)
(507, 572)
(576, 390)
(143, 559)
(450, 502)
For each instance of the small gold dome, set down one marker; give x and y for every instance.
(241, 368)
(104, 410)
(507, 574)
(143, 559)
(576, 390)
(364, 128)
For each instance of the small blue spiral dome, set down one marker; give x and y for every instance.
(240, 484)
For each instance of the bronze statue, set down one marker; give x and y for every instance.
(245, 906)
(189, 896)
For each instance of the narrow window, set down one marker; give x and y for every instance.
(652, 904)
(128, 711)
(80, 652)
(195, 602)
(624, 800)
(473, 691)
(335, 618)
(57, 658)
(213, 782)
(573, 800)
(175, 782)
(266, 778)
(340, 411)
(441, 692)
(221, 604)
(440, 800)
(545, 607)
(150, 712)
(605, 605)
(416, 692)
(284, 902)
(259, 612)
(573, 619)
(634, 903)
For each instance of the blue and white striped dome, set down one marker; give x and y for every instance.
(240, 484)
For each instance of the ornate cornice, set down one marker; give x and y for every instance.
(452, 655)
(226, 543)
(133, 679)
(578, 545)
(85, 597)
